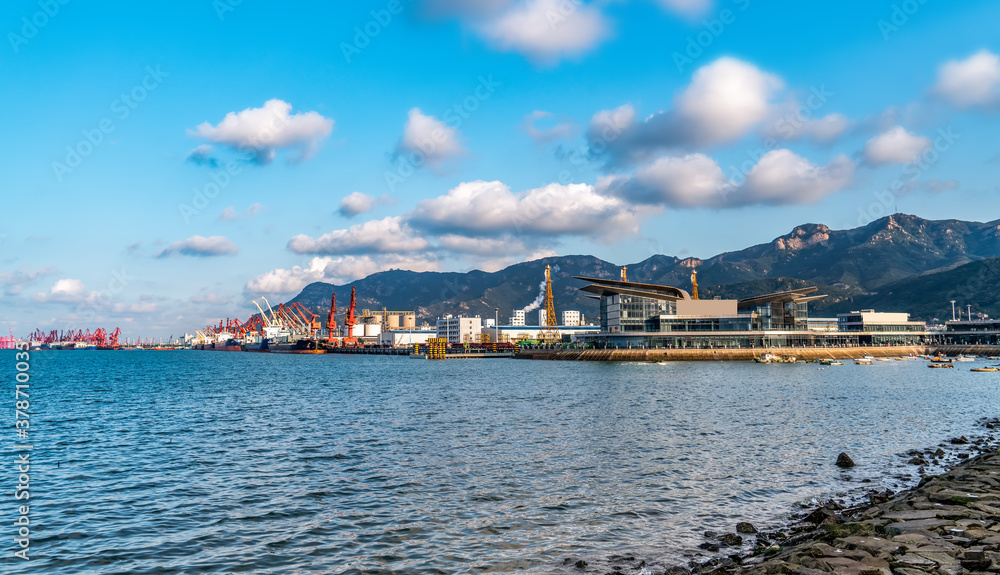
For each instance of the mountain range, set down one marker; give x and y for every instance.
(897, 263)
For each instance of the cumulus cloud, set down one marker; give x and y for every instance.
(895, 146)
(779, 178)
(261, 131)
(199, 246)
(337, 270)
(483, 209)
(231, 215)
(66, 290)
(15, 281)
(557, 132)
(724, 101)
(431, 139)
(358, 203)
(388, 235)
(971, 83)
(547, 30)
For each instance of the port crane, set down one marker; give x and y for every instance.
(349, 320)
(549, 331)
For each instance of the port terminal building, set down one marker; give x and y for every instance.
(971, 332)
(641, 315)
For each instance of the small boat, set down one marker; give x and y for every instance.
(940, 365)
(985, 369)
(771, 358)
(965, 358)
(830, 362)
(883, 359)
(864, 361)
(940, 359)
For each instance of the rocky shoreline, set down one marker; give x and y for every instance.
(947, 524)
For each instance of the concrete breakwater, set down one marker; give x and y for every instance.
(806, 353)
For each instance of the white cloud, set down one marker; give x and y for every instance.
(557, 132)
(66, 290)
(547, 30)
(388, 235)
(971, 83)
(231, 215)
(431, 139)
(895, 146)
(261, 131)
(199, 246)
(725, 100)
(358, 203)
(337, 270)
(779, 178)
(15, 281)
(482, 208)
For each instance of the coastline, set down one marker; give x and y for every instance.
(745, 354)
(948, 523)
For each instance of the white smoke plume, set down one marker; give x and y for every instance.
(541, 294)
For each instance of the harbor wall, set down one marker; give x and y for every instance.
(717, 354)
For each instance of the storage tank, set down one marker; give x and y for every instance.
(409, 321)
(393, 321)
(372, 329)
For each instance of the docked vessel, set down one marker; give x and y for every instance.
(772, 358)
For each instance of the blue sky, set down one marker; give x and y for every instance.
(455, 135)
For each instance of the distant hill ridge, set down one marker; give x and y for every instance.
(897, 263)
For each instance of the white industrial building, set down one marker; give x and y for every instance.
(543, 316)
(459, 329)
(405, 337)
(571, 318)
(513, 333)
(517, 317)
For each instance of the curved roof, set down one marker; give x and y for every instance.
(601, 286)
(796, 295)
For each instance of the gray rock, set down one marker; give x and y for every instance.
(844, 460)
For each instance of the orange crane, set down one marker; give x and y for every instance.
(549, 331)
(349, 321)
(331, 321)
(694, 284)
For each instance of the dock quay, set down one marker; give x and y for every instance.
(803, 353)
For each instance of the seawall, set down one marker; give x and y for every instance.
(718, 354)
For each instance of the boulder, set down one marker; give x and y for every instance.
(844, 460)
